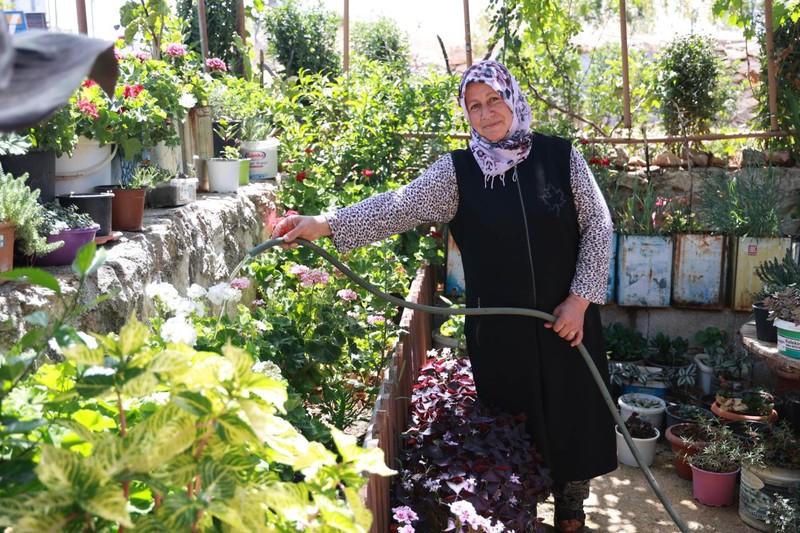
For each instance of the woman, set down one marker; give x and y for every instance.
(533, 231)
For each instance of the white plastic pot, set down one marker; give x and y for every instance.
(263, 156)
(223, 175)
(654, 415)
(646, 447)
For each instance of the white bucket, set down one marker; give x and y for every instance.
(223, 175)
(263, 156)
(166, 157)
(89, 166)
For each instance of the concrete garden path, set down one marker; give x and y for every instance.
(623, 502)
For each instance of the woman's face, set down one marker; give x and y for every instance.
(489, 114)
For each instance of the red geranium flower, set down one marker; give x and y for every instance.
(605, 162)
(584, 141)
(89, 82)
(132, 91)
(309, 150)
(301, 176)
(594, 161)
(367, 173)
(89, 108)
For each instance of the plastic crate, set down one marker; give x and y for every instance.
(174, 193)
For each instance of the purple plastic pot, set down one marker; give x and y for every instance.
(73, 240)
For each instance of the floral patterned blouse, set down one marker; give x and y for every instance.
(433, 197)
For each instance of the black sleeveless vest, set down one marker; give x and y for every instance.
(519, 246)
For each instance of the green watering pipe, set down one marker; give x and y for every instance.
(496, 311)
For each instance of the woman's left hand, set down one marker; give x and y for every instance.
(569, 319)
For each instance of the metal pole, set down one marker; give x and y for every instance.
(771, 74)
(623, 39)
(80, 7)
(635, 140)
(467, 35)
(201, 23)
(346, 37)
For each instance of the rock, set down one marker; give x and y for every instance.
(748, 157)
(636, 161)
(620, 158)
(699, 159)
(780, 158)
(667, 159)
(715, 161)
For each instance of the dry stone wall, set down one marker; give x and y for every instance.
(201, 242)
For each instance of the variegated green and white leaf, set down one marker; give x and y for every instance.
(177, 512)
(166, 433)
(288, 500)
(50, 523)
(194, 403)
(108, 455)
(42, 503)
(362, 459)
(63, 470)
(172, 361)
(132, 336)
(241, 361)
(149, 524)
(234, 429)
(141, 385)
(228, 515)
(206, 373)
(336, 515)
(312, 458)
(363, 516)
(177, 472)
(79, 429)
(109, 502)
(219, 481)
(260, 417)
(83, 355)
(267, 389)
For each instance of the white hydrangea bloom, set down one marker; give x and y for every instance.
(216, 293)
(178, 329)
(195, 291)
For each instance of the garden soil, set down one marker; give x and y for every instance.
(623, 502)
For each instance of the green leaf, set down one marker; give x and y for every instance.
(165, 434)
(219, 481)
(179, 472)
(38, 318)
(363, 516)
(81, 354)
(362, 459)
(171, 361)
(193, 402)
(35, 276)
(94, 385)
(177, 512)
(93, 420)
(139, 383)
(11, 426)
(233, 429)
(86, 261)
(287, 499)
(62, 470)
(132, 336)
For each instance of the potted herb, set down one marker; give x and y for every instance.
(644, 436)
(775, 275)
(770, 473)
(224, 172)
(68, 226)
(21, 216)
(715, 468)
(720, 359)
(747, 207)
(670, 355)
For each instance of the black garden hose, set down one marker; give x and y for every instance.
(496, 311)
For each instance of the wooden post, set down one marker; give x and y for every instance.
(771, 74)
(626, 90)
(346, 37)
(201, 23)
(467, 35)
(80, 7)
(240, 21)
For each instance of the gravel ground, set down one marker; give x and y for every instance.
(623, 502)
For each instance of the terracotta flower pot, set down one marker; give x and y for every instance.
(6, 247)
(127, 207)
(728, 415)
(681, 450)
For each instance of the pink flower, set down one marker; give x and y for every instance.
(118, 54)
(142, 56)
(367, 173)
(315, 277)
(347, 295)
(404, 514)
(89, 82)
(215, 63)
(661, 201)
(240, 283)
(408, 528)
(176, 49)
(259, 303)
(298, 270)
(132, 91)
(376, 319)
(85, 106)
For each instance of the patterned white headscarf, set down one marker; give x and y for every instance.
(495, 158)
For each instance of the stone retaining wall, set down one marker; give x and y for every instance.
(201, 242)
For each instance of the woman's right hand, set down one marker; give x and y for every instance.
(301, 226)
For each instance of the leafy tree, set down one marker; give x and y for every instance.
(381, 41)
(691, 84)
(302, 38)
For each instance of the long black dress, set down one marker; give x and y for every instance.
(509, 235)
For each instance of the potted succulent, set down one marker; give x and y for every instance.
(784, 307)
(715, 468)
(21, 215)
(127, 208)
(775, 275)
(68, 226)
(644, 436)
(770, 472)
(756, 405)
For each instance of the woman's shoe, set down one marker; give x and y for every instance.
(569, 520)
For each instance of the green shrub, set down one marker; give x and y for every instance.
(381, 41)
(787, 76)
(221, 28)
(691, 85)
(302, 38)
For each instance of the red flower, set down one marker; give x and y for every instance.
(309, 150)
(605, 162)
(367, 173)
(289, 161)
(89, 108)
(594, 161)
(301, 176)
(89, 82)
(584, 141)
(132, 91)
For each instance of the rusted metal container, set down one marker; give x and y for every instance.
(198, 142)
(454, 282)
(611, 289)
(699, 268)
(644, 270)
(746, 254)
